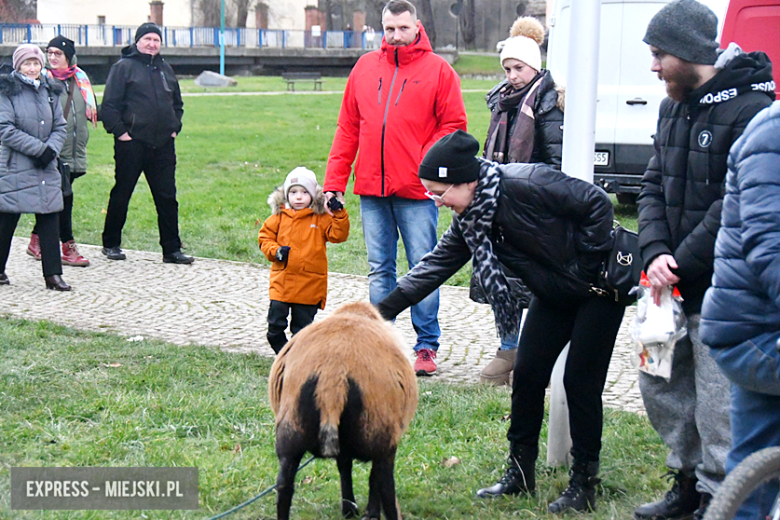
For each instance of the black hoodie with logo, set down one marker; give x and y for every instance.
(142, 98)
(682, 189)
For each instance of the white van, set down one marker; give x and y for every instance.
(629, 94)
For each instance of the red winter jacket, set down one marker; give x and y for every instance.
(398, 102)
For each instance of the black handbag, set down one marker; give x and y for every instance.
(622, 269)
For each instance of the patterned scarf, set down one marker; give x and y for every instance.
(476, 223)
(516, 144)
(82, 80)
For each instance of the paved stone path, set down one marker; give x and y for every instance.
(224, 304)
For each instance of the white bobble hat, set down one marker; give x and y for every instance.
(523, 49)
(301, 176)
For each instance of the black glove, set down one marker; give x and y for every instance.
(282, 252)
(393, 304)
(43, 160)
(335, 204)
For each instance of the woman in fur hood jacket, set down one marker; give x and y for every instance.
(526, 126)
(293, 238)
(32, 131)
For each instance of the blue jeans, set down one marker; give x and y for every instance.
(754, 370)
(383, 218)
(509, 341)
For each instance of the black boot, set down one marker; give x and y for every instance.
(519, 476)
(581, 493)
(680, 501)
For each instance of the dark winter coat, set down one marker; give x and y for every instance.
(682, 189)
(548, 116)
(551, 230)
(30, 120)
(744, 300)
(548, 149)
(142, 98)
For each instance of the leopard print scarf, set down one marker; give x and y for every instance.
(476, 224)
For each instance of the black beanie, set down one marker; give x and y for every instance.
(147, 28)
(685, 29)
(67, 47)
(451, 160)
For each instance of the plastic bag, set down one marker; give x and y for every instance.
(656, 329)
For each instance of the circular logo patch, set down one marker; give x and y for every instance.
(705, 138)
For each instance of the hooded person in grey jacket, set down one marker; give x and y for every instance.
(32, 131)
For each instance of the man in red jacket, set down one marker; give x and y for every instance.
(399, 100)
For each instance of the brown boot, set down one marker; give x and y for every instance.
(499, 371)
(34, 249)
(71, 255)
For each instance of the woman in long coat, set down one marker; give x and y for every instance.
(32, 131)
(80, 111)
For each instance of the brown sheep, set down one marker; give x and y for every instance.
(342, 388)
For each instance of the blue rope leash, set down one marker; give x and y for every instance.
(261, 495)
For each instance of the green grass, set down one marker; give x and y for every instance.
(71, 398)
(478, 64)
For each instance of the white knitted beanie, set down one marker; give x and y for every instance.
(301, 176)
(523, 49)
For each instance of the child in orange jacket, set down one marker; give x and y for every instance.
(294, 239)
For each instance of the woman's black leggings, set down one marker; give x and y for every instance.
(591, 326)
(47, 231)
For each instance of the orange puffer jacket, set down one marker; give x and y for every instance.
(397, 103)
(303, 277)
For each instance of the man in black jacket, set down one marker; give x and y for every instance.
(142, 107)
(711, 99)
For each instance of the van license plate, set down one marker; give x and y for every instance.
(601, 159)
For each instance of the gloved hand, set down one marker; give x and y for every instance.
(43, 160)
(282, 253)
(393, 304)
(335, 204)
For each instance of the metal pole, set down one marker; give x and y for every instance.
(579, 142)
(222, 38)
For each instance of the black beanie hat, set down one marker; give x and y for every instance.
(685, 29)
(451, 160)
(147, 28)
(67, 47)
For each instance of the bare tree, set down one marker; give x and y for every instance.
(18, 10)
(468, 23)
(426, 16)
(208, 11)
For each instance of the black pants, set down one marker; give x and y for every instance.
(47, 232)
(302, 315)
(65, 217)
(591, 327)
(159, 167)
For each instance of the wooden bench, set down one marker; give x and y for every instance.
(292, 77)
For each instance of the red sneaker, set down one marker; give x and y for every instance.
(425, 364)
(71, 256)
(34, 249)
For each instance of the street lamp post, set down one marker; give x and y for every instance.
(222, 38)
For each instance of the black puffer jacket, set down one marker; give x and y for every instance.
(142, 98)
(548, 113)
(682, 189)
(549, 229)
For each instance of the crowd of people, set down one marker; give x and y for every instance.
(536, 238)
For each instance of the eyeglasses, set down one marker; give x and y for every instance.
(438, 198)
(55, 53)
